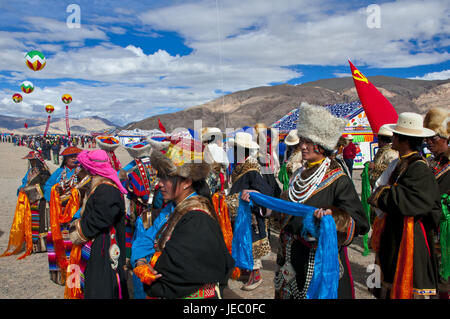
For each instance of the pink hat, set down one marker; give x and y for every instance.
(97, 163)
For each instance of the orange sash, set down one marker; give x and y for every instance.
(402, 286)
(221, 209)
(20, 229)
(377, 230)
(57, 216)
(143, 271)
(72, 289)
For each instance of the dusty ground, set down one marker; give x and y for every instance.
(29, 279)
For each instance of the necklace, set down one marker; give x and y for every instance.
(301, 189)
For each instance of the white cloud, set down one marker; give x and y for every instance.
(442, 75)
(237, 45)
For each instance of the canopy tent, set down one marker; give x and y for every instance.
(358, 126)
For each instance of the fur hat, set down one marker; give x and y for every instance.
(107, 143)
(317, 124)
(438, 120)
(138, 149)
(156, 144)
(165, 166)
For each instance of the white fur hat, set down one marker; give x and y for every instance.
(107, 143)
(317, 124)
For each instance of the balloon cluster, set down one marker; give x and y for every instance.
(36, 61)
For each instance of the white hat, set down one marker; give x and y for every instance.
(349, 137)
(317, 124)
(244, 140)
(292, 138)
(107, 143)
(410, 124)
(383, 130)
(210, 131)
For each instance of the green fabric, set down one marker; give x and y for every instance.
(365, 194)
(283, 177)
(444, 237)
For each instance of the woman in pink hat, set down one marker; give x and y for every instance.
(102, 224)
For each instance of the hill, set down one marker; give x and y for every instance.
(57, 126)
(269, 103)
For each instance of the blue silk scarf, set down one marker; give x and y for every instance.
(324, 283)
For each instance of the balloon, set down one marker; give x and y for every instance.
(27, 87)
(17, 98)
(35, 60)
(66, 98)
(49, 108)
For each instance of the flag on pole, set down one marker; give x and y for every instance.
(25, 125)
(161, 127)
(379, 110)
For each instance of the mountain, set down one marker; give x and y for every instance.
(57, 125)
(269, 103)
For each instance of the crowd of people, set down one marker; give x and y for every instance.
(175, 222)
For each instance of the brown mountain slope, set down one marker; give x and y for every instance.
(268, 104)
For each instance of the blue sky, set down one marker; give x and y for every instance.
(130, 60)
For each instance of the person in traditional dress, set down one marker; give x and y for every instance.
(109, 144)
(212, 139)
(411, 211)
(187, 257)
(64, 191)
(319, 183)
(246, 175)
(102, 224)
(143, 202)
(293, 153)
(384, 155)
(438, 120)
(30, 210)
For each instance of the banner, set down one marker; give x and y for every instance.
(379, 110)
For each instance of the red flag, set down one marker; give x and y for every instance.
(161, 127)
(25, 125)
(378, 109)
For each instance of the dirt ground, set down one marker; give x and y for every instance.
(29, 278)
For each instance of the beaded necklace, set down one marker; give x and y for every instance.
(302, 188)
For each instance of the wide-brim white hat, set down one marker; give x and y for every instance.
(349, 137)
(292, 138)
(244, 140)
(410, 124)
(384, 131)
(211, 131)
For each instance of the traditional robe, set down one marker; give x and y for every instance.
(67, 179)
(194, 260)
(337, 192)
(247, 176)
(104, 213)
(441, 170)
(38, 212)
(412, 193)
(382, 158)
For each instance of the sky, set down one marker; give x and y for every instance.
(129, 60)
